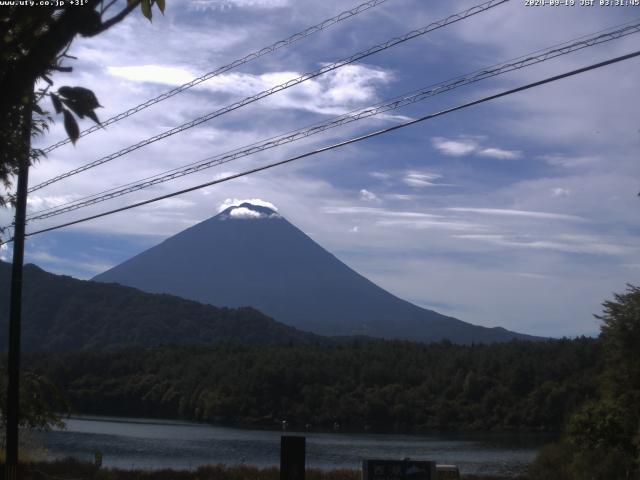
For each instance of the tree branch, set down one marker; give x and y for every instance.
(109, 5)
(116, 18)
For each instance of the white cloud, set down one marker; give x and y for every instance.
(380, 175)
(516, 213)
(455, 148)
(536, 276)
(499, 153)
(200, 5)
(244, 212)
(377, 211)
(565, 161)
(59, 264)
(234, 202)
(567, 244)
(560, 192)
(420, 179)
(37, 202)
(368, 196)
(421, 224)
(166, 75)
(333, 93)
(354, 229)
(400, 196)
(404, 219)
(467, 145)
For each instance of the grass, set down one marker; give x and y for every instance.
(72, 469)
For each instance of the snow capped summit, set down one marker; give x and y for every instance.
(253, 209)
(255, 202)
(247, 211)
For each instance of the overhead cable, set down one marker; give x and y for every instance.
(401, 101)
(290, 83)
(225, 68)
(342, 144)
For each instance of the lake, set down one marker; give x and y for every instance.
(150, 444)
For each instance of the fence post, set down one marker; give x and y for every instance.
(292, 458)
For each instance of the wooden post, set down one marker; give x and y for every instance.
(292, 458)
(15, 309)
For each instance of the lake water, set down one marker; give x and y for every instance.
(140, 443)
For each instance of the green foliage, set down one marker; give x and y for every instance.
(41, 402)
(552, 463)
(602, 438)
(620, 335)
(374, 385)
(80, 101)
(145, 6)
(602, 424)
(34, 45)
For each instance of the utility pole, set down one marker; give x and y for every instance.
(15, 314)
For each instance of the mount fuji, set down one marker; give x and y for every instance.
(249, 255)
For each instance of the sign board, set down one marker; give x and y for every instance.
(398, 470)
(448, 472)
(292, 462)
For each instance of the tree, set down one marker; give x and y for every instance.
(602, 438)
(620, 335)
(42, 403)
(35, 44)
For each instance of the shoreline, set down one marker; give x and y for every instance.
(295, 429)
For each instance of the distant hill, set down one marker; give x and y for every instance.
(61, 313)
(250, 255)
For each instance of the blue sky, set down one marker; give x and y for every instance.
(519, 213)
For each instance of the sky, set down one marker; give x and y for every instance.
(520, 212)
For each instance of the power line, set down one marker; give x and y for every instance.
(343, 143)
(220, 70)
(290, 83)
(401, 101)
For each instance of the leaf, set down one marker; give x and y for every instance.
(38, 109)
(85, 97)
(75, 108)
(71, 126)
(57, 105)
(131, 3)
(65, 91)
(80, 101)
(145, 5)
(161, 5)
(92, 115)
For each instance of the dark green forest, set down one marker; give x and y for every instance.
(377, 385)
(61, 313)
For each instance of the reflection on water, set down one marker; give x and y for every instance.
(127, 443)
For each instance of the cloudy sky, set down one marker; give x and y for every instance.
(521, 213)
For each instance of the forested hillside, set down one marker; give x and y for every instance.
(61, 313)
(377, 385)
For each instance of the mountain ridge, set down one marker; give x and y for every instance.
(61, 313)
